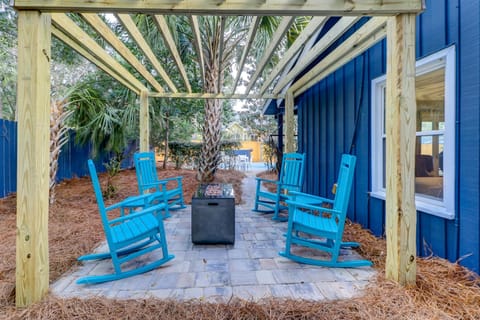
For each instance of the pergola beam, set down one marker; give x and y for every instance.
(87, 55)
(307, 33)
(237, 7)
(170, 43)
(180, 95)
(104, 30)
(326, 41)
(369, 34)
(267, 54)
(132, 29)
(68, 27)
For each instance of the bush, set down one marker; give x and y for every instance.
(189, 152)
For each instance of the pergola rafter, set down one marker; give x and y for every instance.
(102, 29)
(167, 36)
(323, 44)
(307, 33)
(197, 43)
(69, 28)
(252, 31)
(269, 51)
(132, 29)
(39, 19)
(87, 55)
(365, 37)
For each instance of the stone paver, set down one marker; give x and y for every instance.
(250, 269)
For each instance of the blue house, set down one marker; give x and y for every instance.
(344, 113)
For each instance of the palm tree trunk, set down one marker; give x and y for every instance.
(58, 138)
(212, 125)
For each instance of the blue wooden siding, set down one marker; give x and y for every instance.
(327, 113)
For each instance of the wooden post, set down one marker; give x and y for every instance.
(289, 123)
(400, 115)
(33, 102)
(144, 122)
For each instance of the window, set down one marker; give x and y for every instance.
(435, 143)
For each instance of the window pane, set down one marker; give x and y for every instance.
(429, 166)
(430, 93)
(384, 148)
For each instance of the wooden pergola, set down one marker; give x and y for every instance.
(39, 19)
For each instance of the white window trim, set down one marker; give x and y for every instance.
(446, 208)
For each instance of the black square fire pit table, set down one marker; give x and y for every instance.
(213, 214)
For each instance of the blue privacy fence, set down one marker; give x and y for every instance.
(8, 157)
(72, 162)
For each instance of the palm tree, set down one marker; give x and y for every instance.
(219, 54)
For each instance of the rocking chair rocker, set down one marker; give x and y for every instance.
(129, 235)
(318, 223)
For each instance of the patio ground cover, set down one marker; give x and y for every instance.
(444, 290)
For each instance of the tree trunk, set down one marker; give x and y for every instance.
(211, 141)
(210, 155)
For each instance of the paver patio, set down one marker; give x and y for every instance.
(250, 269)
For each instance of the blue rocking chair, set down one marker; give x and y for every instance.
(169, 190)
(318, 223)
(291, 179)
(129, 235)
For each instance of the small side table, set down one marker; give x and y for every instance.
(213, 214)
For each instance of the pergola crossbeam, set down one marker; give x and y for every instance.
(170, 42)
(132, 29)
(214, 96)
(238, 7)
(267, 54)
(104, 30)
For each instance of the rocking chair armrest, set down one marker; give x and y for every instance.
(266, 180)
(303, 205)
(309, 197)
(178, 178)
(137, 214)
(154, 184)
(284, 185)
(125, 202)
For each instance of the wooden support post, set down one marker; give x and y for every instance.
(33, 159)
(289, 123)
(400, 115)
(144, 122)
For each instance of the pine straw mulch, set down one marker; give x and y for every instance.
(444, 290)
